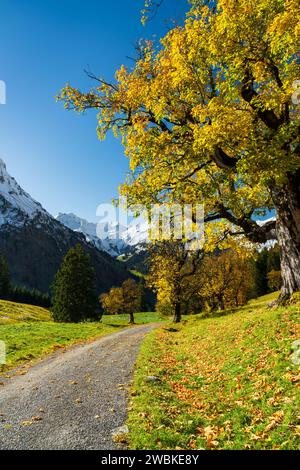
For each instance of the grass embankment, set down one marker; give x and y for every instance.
(226, 382)
(29, 332)
(12, 312)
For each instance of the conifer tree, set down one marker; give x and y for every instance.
(4, 278)
(74, 288)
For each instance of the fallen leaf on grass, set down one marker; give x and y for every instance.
(212, 444)
(210, 434)
(278, 416)
(270, 426)
(258, 437)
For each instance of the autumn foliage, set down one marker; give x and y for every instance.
(124, 299)
(188, 282)
(209, 117)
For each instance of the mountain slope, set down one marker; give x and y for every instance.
(108, 243)
(34, 242)
(16, 206)
(114, 238)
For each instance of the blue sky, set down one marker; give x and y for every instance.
(54, 154)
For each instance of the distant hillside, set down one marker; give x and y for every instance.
(136, 261)
(11, 312)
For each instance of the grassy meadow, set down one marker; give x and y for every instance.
(225, 382)
(29, 331)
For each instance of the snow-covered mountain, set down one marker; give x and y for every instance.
(16, 206)
(115, 239)
(34, 242)
(270, 243)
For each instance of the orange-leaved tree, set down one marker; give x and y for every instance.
(125, 299)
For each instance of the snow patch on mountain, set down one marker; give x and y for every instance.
(111, 237)
(16, 206)
(265, 221)
(270, 243)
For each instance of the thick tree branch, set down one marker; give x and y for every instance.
(250, 95)
(255, 232)
(222, 160)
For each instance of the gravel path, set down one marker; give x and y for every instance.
(71, 400)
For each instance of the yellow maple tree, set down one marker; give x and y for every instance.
(208, 117)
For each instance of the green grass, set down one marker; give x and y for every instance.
(140, 318)
(226, 382)
(11, 312)
(137, 273)
(29, 332)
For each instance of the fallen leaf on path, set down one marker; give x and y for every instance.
(26, 423)
(36, 418)
(29, 422)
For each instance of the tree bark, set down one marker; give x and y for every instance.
(287, 203)
(221, 303)
(131, 318)
(177, 313)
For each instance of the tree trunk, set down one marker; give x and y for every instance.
(287, 203)
(177, 313)
(221, 303)
(131, 319)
